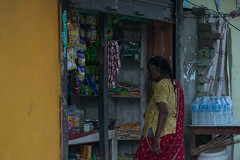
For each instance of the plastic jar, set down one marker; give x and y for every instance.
(73, 119)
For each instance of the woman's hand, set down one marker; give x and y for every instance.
(156, 144)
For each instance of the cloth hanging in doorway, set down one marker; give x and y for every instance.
(218, 75)
(114, 62)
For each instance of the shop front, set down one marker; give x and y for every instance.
(105, 47)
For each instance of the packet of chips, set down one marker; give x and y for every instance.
(73, 34)
(82, 19)
(82, 32)
(71, 59)
(81, 59)
(81, 74)
(82, 46)
(91, 20)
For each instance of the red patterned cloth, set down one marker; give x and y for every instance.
(171, 145)
(114, 62)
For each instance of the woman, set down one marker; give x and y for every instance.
(163, 131)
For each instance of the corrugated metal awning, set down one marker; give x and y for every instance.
(162, 10)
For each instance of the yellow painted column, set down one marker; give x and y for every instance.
(30, 80)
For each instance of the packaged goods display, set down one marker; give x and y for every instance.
(212, 111)
(86, 152)
(130, 49)
(74, 156)
(82, 53)
(125, 89)
(129, 130)
(83, 50)
(75, 119)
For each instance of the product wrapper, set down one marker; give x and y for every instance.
(82, 45)
(73, 31)
(86, 152)
(81, 74)
(73, 35)
(91, 20)
(71, 59)
(81, 59)
(81, 19)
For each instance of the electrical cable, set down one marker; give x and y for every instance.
(227, 20)
(206, 8)
(219, 13)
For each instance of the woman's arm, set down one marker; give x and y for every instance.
(163, 114)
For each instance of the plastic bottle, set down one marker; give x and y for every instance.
(217, 108)
(205, 111)
(195, 107)
(74, 113)
(210, 111)
(202, 109)
(94, 155)
(224, 110)
(229, 108)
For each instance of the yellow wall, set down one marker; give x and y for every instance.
(30, 80)
(226, 7)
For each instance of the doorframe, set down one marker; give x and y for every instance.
(63, 99)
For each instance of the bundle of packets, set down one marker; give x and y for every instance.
(74, 156)
(86, 152)
(129, 130)
(88, 81)
(125, 89)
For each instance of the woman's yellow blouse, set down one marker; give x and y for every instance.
(163, 92)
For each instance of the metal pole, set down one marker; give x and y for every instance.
(103, 88)
(178, 29)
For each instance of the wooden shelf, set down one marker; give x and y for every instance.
(83, 95)
(117, 96)
(129, 139)
(92, 138)
(95, 138)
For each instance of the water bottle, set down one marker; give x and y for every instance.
(74, 113)
(217, 108)
(204, 108)
(229, 108)
(224, 110)
(195, 106)
(210, 111)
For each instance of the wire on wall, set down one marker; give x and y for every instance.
(217, 7)
(218, 12)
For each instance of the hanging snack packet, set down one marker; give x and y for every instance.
(81, 59)
(93, 31)
(73, 34)
(82, 19)
(88, 90)
(91, 20)
(82, 45)
(71, 59)
(81, 74)
(88, 33)
(110, 29)
(93, 56)
(82, 32)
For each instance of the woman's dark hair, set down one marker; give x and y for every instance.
(163, 64)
